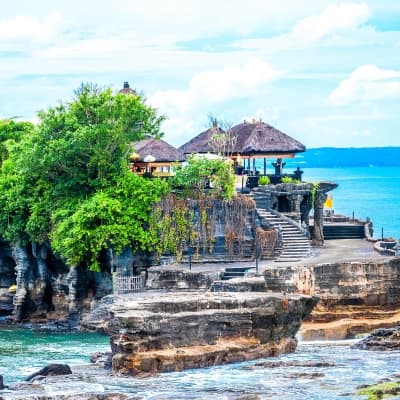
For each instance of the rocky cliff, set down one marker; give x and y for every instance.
(355, 297)
(160, 331)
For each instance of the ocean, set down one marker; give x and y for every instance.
(315, 371)
(367, 192)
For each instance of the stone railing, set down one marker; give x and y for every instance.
(129, 283)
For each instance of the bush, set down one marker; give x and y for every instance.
(287, 179)
(264, 180)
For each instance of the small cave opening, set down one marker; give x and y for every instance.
(8, 273)
(283, 204)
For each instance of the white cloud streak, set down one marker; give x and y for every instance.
(27, 27)
(334, 21)
(233, 81)
(367, 83)
(208, 88)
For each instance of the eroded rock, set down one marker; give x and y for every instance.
(50, 370)
(160, 332)
(381, 339)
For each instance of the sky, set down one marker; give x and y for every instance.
(325, 72)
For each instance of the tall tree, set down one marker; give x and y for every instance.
(70, 177)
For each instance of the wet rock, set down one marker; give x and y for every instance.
(104, 359)
(51, 370)
(381, 339)
(249, 397)
(2, 383)
(99, 317)
(305, 375)
(305, 364)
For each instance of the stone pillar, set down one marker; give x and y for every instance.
(320, 197)
(23, 263)
(41, 283)
(318, 238)
(72, 279)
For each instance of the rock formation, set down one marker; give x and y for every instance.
(161, 331)
(355, 297)
(381, 339)
(51, 370)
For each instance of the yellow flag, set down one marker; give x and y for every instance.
(328, 202)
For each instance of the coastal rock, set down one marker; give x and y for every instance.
(381, 339)
(50, 370)
(2, 383)
(355, 297)
(302, 364)
(160, 332)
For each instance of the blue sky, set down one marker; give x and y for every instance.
(325, 72)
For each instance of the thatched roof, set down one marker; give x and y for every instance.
(127, 90)
(200, 143)
(252, 138)
(159, 149)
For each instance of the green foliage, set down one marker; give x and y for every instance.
(68, 180)
(173, 224)
(289, 179)
(286, 179)
(11, 132)
(264, 180)
(314, 192)
(192, 177)
(380, 391)
(116, 217)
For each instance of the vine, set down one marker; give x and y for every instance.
(266, 241)
(236, 213)
(314, 192)
(185, 224)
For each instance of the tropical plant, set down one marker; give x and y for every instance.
(264, 180)
(193, 177)
(314, 192)
(287, 179)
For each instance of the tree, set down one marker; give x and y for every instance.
(68, 181)
(11, 132)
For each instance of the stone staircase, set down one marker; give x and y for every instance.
(295, 246)
(341, 231)
(235, 272)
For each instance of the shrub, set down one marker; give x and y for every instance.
(264, 180)
(287, 179)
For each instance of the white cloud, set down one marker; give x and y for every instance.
(27, 27)
(208, 88)
(366, 83)
(374, 115)
(268, 114)
(362, 133)
(333, 22)
(233, 81)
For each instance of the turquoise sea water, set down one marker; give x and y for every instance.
(368, 192)
(23, 352)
